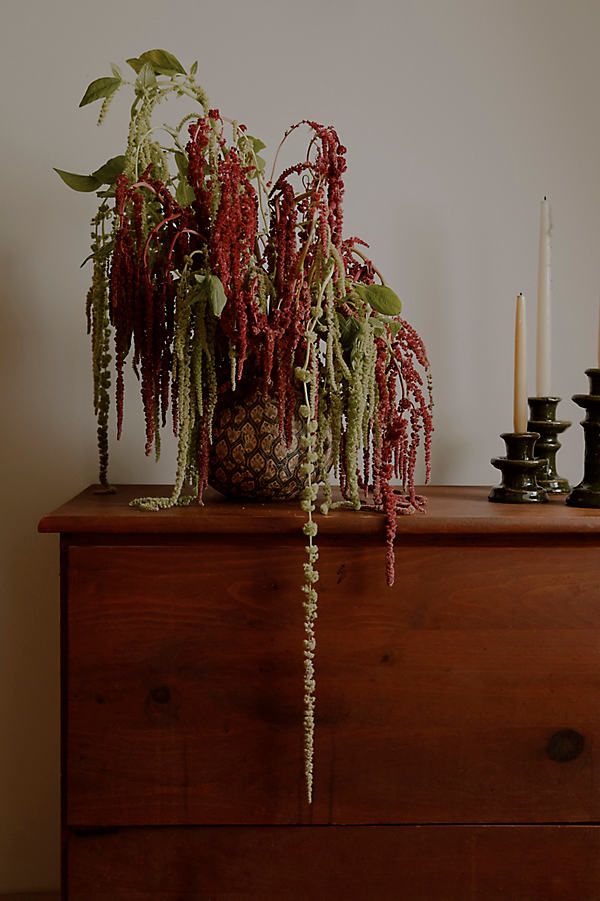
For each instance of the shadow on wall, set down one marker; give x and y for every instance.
(37, 468)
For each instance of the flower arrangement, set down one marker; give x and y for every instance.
(211, 277)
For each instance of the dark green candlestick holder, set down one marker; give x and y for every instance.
(519, 468)
(587, 493)
(542, 419)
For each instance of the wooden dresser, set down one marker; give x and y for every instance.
(458, 714)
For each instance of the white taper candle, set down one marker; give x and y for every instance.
(520, 397)
(544, 297)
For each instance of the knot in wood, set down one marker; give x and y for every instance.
(161, 694)
(565, 745)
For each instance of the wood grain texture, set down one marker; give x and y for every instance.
(451, 511)
(446, 699)
(30, 896)
(425, 863)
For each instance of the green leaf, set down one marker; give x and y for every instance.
(146, 78)
(257, 144)
(394, 327)
(161, 61)
(184, 194)
(216, 294)
(116, 71)
(210, 287)
(181, 161)
(110, 171)
(101, 87)
(349, 329)
(83, 183)
(105, 175)
(194, 68)
(380, 298)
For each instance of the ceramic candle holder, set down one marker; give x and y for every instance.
(519, 468)
(542, 419)
(587, 493)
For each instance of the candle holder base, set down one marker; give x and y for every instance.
(587, 493)
(519, 470)
(584, 496)
(542, 419)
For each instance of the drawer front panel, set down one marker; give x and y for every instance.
(362, 863)
(468, 693)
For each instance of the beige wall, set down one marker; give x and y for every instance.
(458, 117)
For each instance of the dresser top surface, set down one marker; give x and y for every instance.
(450, 510)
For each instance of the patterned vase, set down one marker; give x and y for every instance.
(249, 458)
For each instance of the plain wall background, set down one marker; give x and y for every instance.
(458, 117)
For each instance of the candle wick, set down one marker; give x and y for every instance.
(545, 198)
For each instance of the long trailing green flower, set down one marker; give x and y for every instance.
(99, 330)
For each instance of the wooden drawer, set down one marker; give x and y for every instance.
(443, 700)
(344, 863)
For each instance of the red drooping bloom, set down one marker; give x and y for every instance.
(232, 245)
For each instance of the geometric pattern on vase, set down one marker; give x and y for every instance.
(249, 458)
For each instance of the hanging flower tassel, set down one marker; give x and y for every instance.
(311, 576)
(310, 615)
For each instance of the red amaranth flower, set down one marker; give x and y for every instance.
(232, 247)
